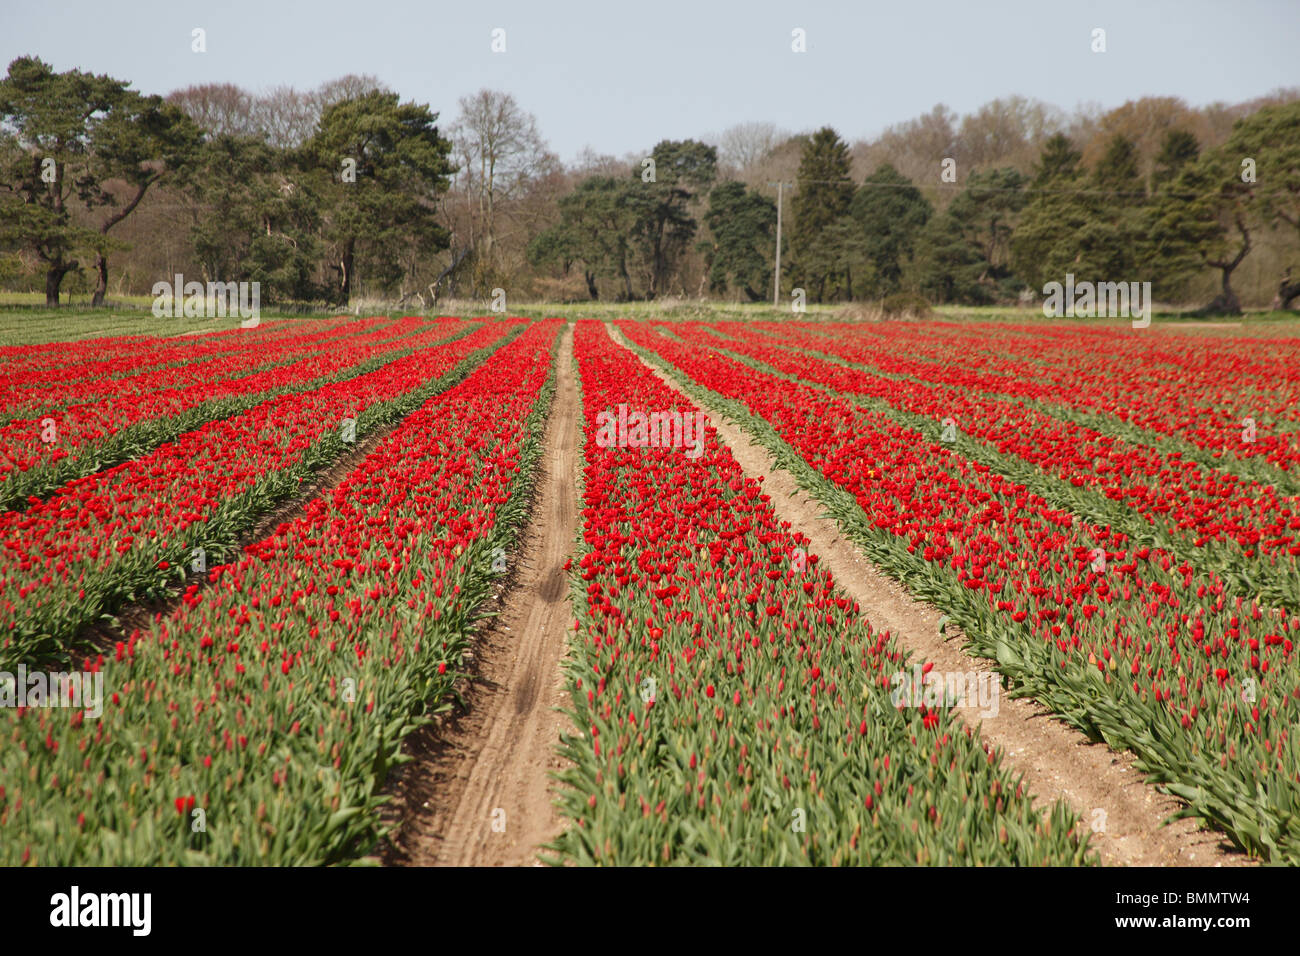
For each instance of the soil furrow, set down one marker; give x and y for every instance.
(478, 790)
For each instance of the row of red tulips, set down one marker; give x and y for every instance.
(1214, 519)
(1126, 642)
(41, 453)
(1236, 407)
(27, 386)
(733, 705)
(257, 721)
(133, 530)
(80, 357)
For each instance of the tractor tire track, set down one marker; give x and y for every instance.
(478, 791)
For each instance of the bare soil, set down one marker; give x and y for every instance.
(478, 792)
(1125, 814)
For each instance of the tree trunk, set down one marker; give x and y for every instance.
(54, 279)
(627, 279)
(658, 263)
(591, 285)
(101, 258)
(345, 270)
(1287, 291)
(101, 280)
(1229, 297)
(1226, 302)
(456, 260)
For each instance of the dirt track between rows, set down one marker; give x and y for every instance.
(1102, 786)
(478, 791)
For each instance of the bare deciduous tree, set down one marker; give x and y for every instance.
(347, 87)
(744, 145)
(218, 108)
(282, 116)
(1007, 132)
(501, 155)
(915, 147)
(285, 117)
(591, 163)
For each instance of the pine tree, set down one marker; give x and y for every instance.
(987, 212)
(1088, 226)
(743, 223)
(683, 171)
(1177, 149)
(1270, 141)
(948, 266)
(889, 212)
(1117, 170)
(823, 195)
(1041, 246)
(1059, 162)
(54, 119)
(1201, 220)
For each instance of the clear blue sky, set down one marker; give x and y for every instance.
(619, 76)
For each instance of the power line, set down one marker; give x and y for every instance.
(1038, 190)
(1030, 190)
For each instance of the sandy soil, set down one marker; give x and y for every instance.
(478, 791)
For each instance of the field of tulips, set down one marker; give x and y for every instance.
(1163, 650)
(131, 531)
(275, 546)
(734, 706)
(64, 431)
(38, 378)
(1235, 408)
(1246, 531)
(256, 722)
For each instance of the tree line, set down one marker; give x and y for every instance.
(346, 191)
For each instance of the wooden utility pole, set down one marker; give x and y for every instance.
(776, 285)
